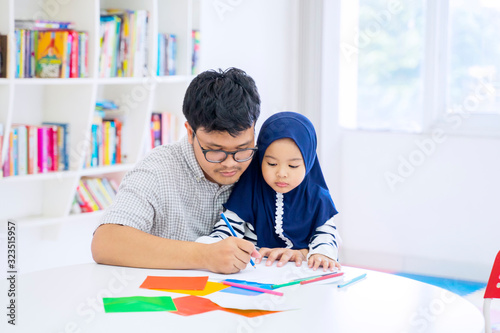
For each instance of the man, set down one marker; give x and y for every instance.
(175, 194)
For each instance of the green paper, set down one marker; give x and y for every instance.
(138, 304)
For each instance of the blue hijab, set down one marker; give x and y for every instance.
(306, 207)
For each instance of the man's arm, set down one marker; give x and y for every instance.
(119, 245)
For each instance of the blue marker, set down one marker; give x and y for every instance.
(234, 233)
(357, 278)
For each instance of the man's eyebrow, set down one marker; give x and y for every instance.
(214, 145)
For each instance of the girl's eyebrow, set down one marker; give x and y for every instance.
(289, 160)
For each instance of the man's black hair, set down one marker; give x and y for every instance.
(222, 101)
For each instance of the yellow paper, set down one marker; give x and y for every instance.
(211, 287)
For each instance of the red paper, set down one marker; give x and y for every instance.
(175, 282)
(191, 305)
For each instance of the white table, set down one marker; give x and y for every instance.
(69, 299)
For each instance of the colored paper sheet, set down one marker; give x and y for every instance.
(249, 313)
(175, 282)
(138, 304)
(191, 305)
(211, 287)
(240, 291)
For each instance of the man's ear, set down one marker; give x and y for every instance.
(189, 130)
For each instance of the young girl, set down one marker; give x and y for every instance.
(282, 201)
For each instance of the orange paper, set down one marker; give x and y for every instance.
(175, 282)
(249, 313)
(210, 288)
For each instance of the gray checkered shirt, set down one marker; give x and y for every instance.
(167, 195)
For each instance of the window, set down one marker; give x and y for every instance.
(416, 65)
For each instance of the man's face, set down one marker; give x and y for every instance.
(228, 171)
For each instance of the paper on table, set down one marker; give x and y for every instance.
(138, 304)
(273, 274)
(175, 282)
(191, 305)
(210, 288)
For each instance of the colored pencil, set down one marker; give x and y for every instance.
(234, 233)
(324, 277)
(244, 286)
(357, 278)
(297, 281)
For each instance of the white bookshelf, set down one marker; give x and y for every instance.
(45, 199)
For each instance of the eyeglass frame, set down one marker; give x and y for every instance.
(205, 151)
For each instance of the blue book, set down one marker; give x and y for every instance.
(15, 151)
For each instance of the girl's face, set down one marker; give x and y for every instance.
(283, 167)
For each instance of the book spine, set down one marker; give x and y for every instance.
(93, 194)
(74, 55)
(15, 153)
(104, 191)
(112, 142)
(43, 138)
(32, 150)
(3, 55)
(106, 130)
(85, 205)
(119, 125)
(97, 192)
(87, 196)
(109, 188)
(6, 163)
(22, 143)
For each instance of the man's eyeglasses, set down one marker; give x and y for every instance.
(218, 156)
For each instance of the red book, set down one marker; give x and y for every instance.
(74, 55)
(52, 149)
(43, 149)
(118, 125)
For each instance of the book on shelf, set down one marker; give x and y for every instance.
(93, 194)
(3, 56)
(106, 136)
(167, 55)
(51, 52)
(42, 24)
(37, 149)
(60, 142)
(165, 128)
(123, 43)
(195, 36)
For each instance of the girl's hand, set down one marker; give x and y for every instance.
(283, 255)
(317, 260)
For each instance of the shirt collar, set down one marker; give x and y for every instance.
(188, 152)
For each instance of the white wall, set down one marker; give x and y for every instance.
(258, 37)
(439, 218)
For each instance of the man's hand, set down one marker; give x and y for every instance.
(283, 255)
(230, 255)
